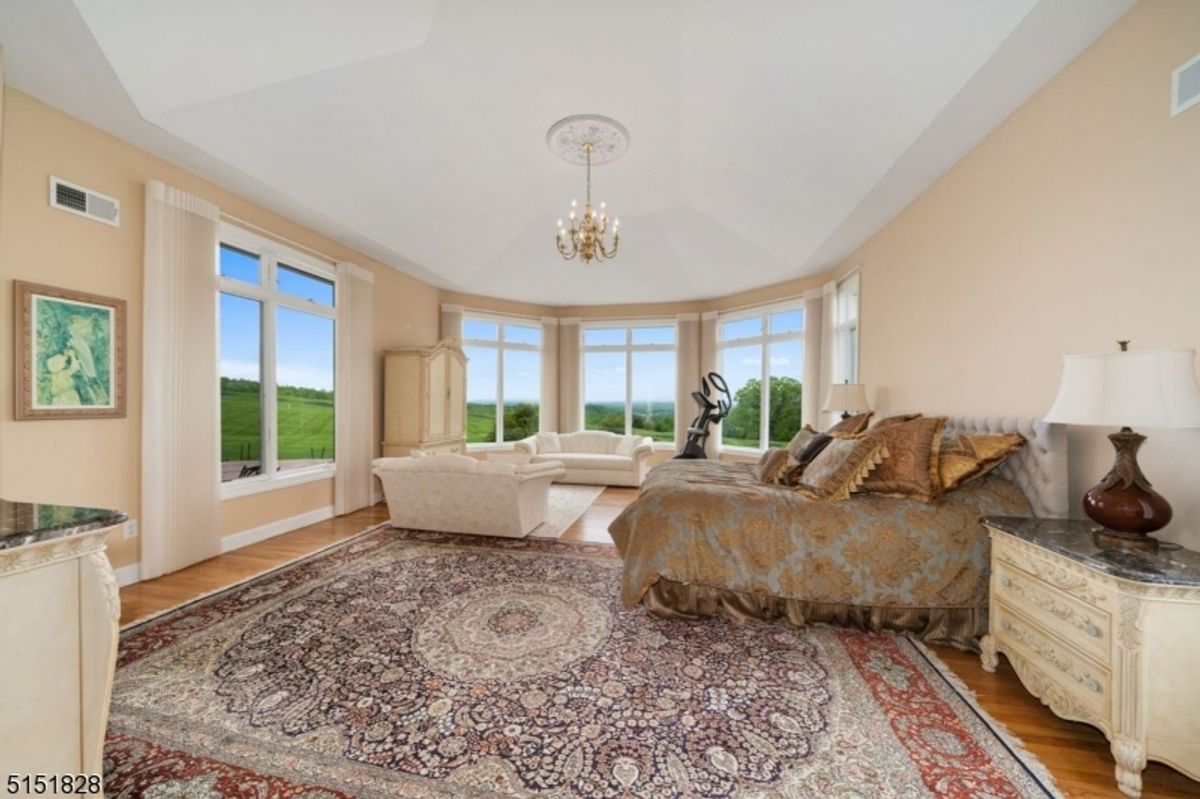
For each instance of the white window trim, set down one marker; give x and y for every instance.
(500, 345)
(270, 253)
(842, 328)
(764, 342)
(629, 348)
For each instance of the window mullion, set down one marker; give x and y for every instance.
(628, 391)
(764, 422)
(500, 390)
(270, 453)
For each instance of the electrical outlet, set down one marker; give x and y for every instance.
(131, 528)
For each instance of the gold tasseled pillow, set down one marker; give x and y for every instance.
(771, 464)
(911, 469)
(851, 425)
(888, 421)
(841, 466)
(800, 440)
(963, 457)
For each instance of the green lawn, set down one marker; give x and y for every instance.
(305, 419)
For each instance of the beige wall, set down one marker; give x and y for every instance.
(97, 462)
(1074, 224)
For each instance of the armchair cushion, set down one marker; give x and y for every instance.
(546, 443)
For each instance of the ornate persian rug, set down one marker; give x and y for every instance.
(566, 504)
(406, 664)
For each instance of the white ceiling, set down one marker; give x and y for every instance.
(769, 139)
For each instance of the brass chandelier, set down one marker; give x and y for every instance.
(588, 139)
(586, 236)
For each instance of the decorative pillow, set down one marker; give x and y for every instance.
(547, 442)
(841, 467)
(800, 440)
(852, 425)
(897, 419)
(965, 457)
(771, 464)
(911, 469)
(626, 444)
(789, 475)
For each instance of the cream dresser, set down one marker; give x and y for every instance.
(424, 400)
(58, 644)
(1107, 637)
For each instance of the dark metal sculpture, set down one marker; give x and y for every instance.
(711, 413)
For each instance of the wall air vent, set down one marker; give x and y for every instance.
(84, 202)
(1185, 86)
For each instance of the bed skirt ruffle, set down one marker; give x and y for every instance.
(956, 627)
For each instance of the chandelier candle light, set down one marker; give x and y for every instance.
(588, 138)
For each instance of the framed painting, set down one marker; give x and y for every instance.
(70, 354)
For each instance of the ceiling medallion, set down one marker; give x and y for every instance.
(587, 139)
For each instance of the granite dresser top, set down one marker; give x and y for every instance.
(1075, 539)
(24, 523)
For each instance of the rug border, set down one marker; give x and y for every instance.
(128, 626)
(1016, 747)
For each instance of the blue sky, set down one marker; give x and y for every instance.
(303, 342)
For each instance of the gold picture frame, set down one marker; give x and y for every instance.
(70, 354)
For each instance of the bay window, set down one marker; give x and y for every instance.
(504, 378)
(629, 379)
(762, 360)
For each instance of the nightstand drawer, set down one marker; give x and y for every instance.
(1063, 616)
(1089, 682)
(1052, 571)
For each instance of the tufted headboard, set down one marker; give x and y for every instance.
(1039, 469)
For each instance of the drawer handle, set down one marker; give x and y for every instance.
(1006, 582)
(1093, 686)
(1093, 631)
(1005, 625)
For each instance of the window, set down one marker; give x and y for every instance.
(764, 350)
(845, 331)
(504, 379)
(276, 338)
(629, 379)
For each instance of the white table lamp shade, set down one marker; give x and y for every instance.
(1140, 388)
(850, 397)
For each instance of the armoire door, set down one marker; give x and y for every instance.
(457, 377)
(438, 389)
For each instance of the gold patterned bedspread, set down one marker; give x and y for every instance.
(712, 523)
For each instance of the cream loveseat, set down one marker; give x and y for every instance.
(592, 457)
(457, 494)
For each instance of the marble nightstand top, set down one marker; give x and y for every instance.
(1073, 538)
(24, 523)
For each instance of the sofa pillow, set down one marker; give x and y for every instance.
(841, 466)
(547, 442)
(911, 469)
(852, 425)
(964, 457)
(772, 462)
(626, 444)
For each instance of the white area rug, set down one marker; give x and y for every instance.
(567, 503)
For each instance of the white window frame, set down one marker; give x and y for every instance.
(764, 343)
(500, 345)
(846, 327)
(629, 348)
(270, 253)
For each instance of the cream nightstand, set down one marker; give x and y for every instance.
(1107, 637)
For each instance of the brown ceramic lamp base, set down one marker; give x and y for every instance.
(1124, 503)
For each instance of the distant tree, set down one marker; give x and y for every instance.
(744, 420)
(520, 421)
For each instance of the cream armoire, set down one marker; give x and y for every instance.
(425, 400)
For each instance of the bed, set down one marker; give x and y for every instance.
(705, 537)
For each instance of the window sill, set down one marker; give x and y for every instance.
(249, 486)
(750, 451)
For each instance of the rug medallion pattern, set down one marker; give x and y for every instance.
(428, 665)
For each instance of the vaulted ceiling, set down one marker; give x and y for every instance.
(768, 139)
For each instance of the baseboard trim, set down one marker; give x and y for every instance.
(128, 575)
(255, 534)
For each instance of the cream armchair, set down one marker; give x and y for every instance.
(457, 494)
(592, 457)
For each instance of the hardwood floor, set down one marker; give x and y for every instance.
(1076, 754)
